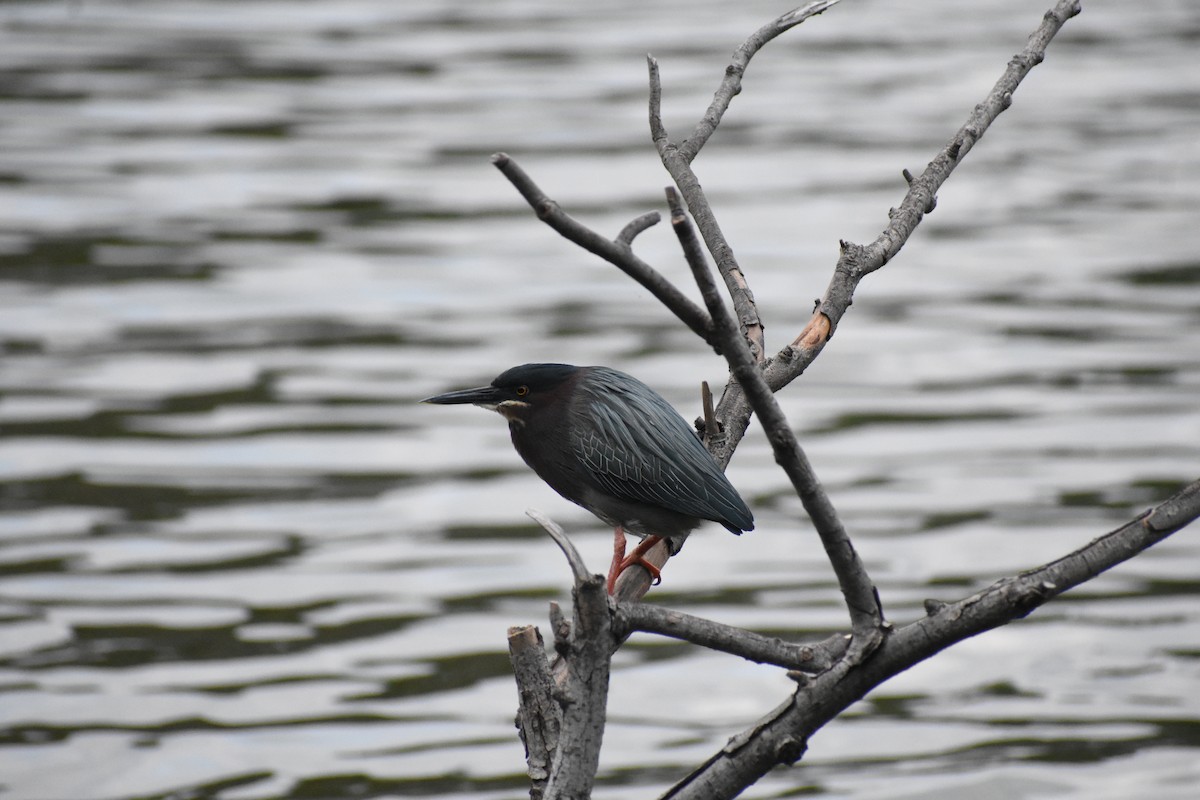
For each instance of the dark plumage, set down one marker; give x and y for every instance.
(606, 441)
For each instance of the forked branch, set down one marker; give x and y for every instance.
(866, 617)
(781, 736)
(617, 252)
(680, 170)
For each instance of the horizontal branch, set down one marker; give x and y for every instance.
(808, 657)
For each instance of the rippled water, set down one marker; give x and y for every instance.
(240, 240)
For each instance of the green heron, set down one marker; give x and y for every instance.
(608, 442)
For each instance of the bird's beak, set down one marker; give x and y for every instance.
(486, 396)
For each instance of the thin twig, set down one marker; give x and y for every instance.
(616, 252)
(922, 192)
(712, 429)
(731, 85)
(693, 249)
(636, 226)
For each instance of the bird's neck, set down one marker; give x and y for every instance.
(515, 411)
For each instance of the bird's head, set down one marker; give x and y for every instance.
(518, 392)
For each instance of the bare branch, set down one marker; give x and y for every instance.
(578, 568)
(922, 192)
(862, 600)
(693, 251)
(697, 203)
(712, 428)
(855, 261)
(781, 736)
(731, 86)
(636, 226)
(836, 672)
(616, 252)
(811, 657)
(587, 659)
(538, 714)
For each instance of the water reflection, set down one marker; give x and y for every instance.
(237, 560)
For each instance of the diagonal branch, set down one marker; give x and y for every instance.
(615, 251)
(856, 262)
(781, 737)
(689, 186)
(866, 617)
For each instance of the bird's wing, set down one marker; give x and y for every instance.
(638, 448)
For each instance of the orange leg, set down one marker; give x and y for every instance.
(638, 556)
(618, 558)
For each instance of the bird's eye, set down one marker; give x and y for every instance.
(522, 391)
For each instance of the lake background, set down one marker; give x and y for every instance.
(240, 240)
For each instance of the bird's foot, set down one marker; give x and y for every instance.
(638, 556)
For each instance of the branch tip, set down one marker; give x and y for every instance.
(712, 428)
(798, 15)
(578, 567)
(636, 226)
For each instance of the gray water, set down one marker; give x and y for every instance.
(238, 241)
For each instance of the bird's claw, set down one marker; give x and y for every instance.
(638, 556)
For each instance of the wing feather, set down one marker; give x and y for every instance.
(637, 448)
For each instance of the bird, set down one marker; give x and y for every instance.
(609, 443)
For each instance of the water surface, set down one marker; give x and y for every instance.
(240, 240)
